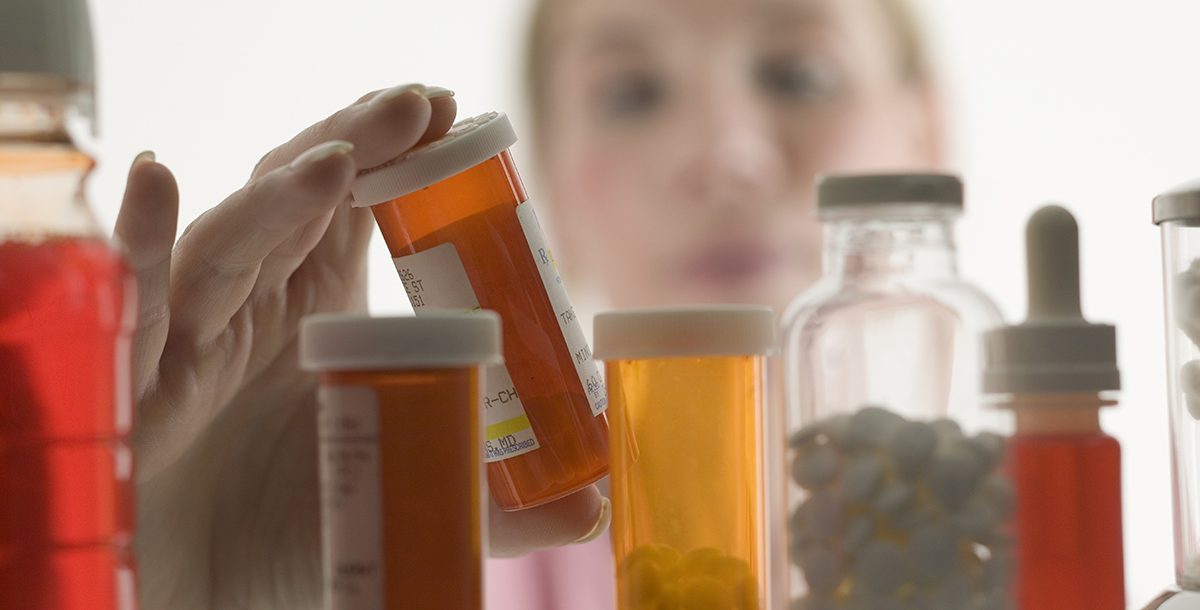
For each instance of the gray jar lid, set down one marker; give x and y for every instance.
(889, 189)
(1181, 203)
(40, 39)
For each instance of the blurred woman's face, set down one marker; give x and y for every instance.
(683, 138)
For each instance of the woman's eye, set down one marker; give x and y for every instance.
(796, 78)
(630, 96)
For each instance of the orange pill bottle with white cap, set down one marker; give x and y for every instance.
(463, 235)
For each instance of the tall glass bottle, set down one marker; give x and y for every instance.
(881, 369)
(1177, 213)
(67, 311)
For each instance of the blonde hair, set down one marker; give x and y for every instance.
(912, 53)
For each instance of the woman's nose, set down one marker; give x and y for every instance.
(738, 158)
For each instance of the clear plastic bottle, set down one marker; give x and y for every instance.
(881, 369)
(67, 311)
(1177, 212)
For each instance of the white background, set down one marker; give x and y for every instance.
(1093, 103)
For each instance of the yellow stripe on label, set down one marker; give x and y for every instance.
(508, 427)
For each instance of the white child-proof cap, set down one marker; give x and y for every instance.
(469, 143)
(703, 330)
(355, 342)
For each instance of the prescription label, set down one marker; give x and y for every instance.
(351, 502)
(568, 322)
(436, 279)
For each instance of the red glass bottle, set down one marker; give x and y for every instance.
(1054, 371)
(67, 312)
(1067, 473)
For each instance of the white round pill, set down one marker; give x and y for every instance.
(823, 569)
(947, 429)
(895, 498)
(862, 477)
(823, 515)
(933, 552)
(858, 534)
(1187, 302)
(912, 446)
(806, 436)
(871, 427)
(880, 567)
(999, 492)
(816, 467)
(1189, 384)
(954, 475)
(975, 520)
(922, 513)
(989, 448)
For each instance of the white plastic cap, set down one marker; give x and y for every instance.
(881, 191)
(355, 342)
(1180, 204)
(46, 46)
(704, 330)
(469, 143)
(1055, 350)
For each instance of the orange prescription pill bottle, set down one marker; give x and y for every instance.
(688, 487)
(463, 235)
(398, 428)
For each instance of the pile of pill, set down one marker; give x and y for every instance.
(900, 515)
(659, 577)
(1187, 318)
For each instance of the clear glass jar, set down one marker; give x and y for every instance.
(888, 446)
(1177, 212)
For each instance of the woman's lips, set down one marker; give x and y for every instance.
(731, 263)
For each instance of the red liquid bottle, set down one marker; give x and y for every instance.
(67, 311)
(1053, 372)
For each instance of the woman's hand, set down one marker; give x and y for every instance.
(225, 431)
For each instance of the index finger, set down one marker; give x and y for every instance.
(382, 125)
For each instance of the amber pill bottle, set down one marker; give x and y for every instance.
(688, 482)
(463, 236)
(398, 428)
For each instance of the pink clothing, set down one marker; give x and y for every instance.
(569, 578)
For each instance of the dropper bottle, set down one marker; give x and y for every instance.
(1054, 371)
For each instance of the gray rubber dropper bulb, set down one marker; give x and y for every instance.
(1052, 266)
(1055, 350)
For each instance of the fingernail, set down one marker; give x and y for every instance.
(146, 156)
(395, 92)
(425, 91)
(433, 93)
(602, 523)
(321, 152)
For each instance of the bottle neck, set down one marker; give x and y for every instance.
(865, 246)
(1067, 414)
(42, 171)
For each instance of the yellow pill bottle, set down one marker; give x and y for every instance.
(686, 409)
